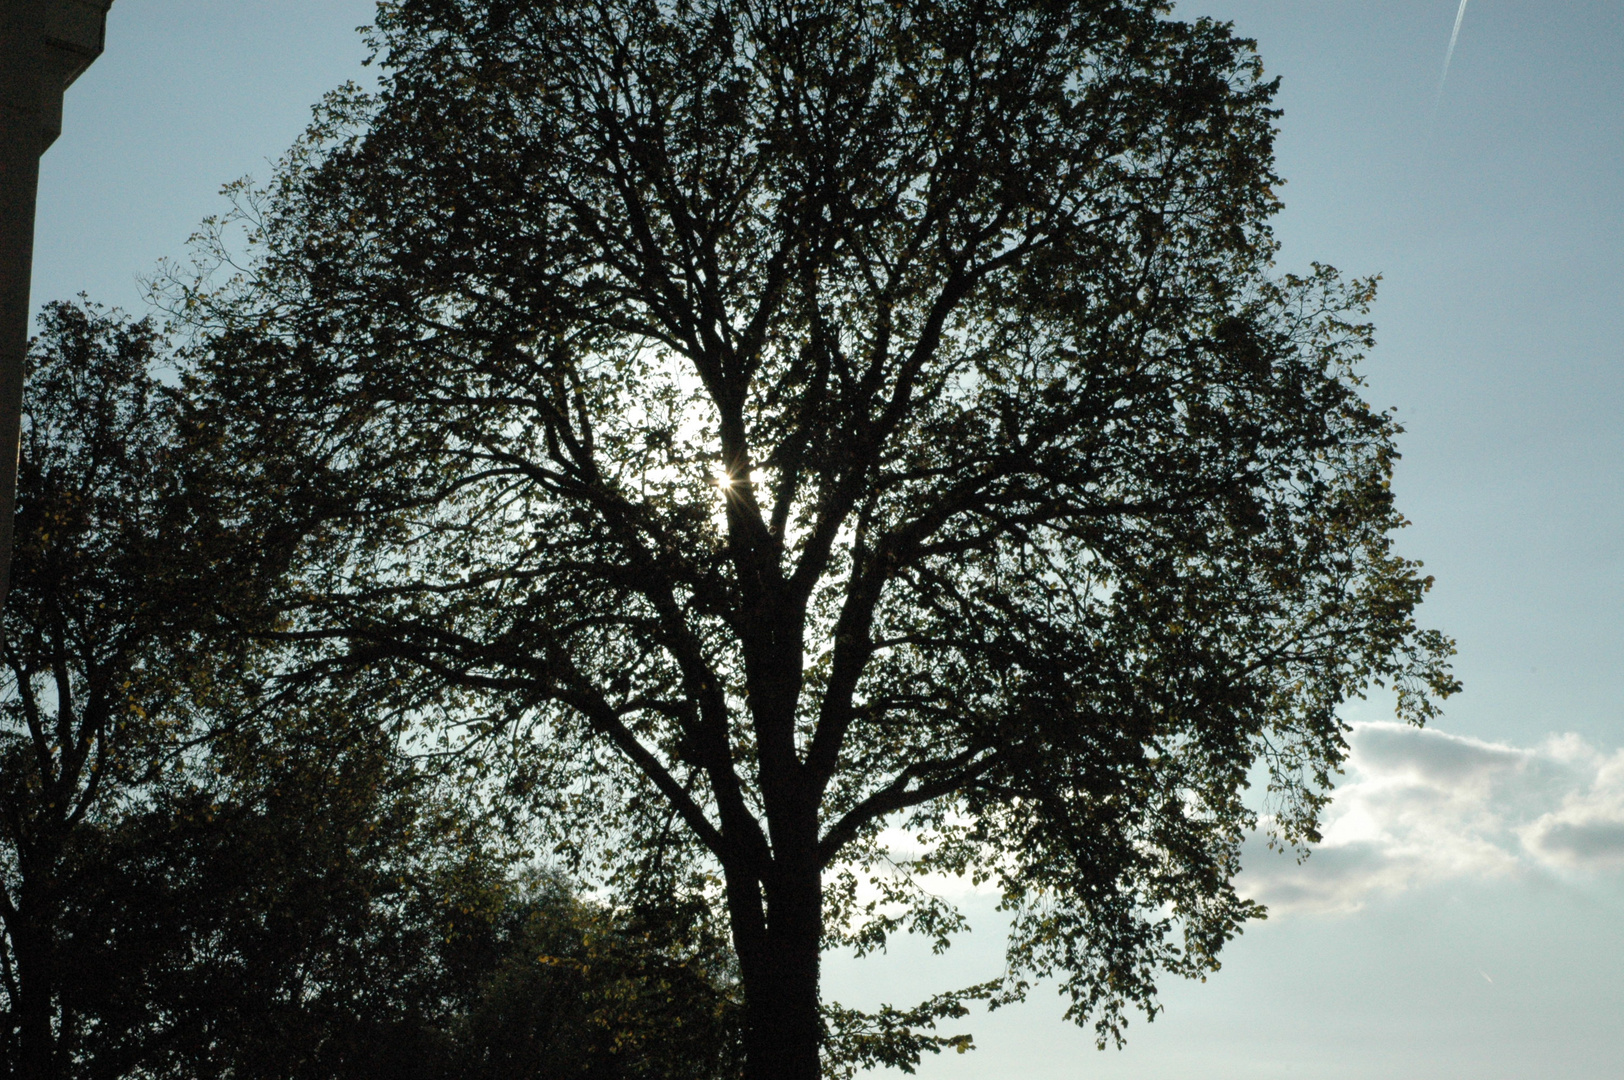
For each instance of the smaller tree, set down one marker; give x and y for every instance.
(199, 881)
(98, 674)
(563, 987)
(324, 909)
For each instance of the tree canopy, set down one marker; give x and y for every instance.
(773, 421)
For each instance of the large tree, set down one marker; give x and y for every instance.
(788, 419)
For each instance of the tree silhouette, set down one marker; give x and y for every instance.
(781, 420)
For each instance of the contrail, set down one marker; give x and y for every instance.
(1450, 55)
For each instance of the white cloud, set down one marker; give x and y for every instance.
(1422, 805)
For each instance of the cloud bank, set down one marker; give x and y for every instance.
(1421, 806)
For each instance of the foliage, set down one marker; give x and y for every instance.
(98, 681)
(642, 993)
(774, 421)
(200, 880)
(322, 915)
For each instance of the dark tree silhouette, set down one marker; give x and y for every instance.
(788, 418)
(95, 678)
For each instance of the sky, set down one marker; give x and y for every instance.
(1465, 915)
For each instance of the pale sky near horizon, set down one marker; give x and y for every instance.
(1465, 917)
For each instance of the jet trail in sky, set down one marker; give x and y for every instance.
(1450, 55)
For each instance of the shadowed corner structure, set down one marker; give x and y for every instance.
(44, 46)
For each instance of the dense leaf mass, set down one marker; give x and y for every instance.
(792, 419)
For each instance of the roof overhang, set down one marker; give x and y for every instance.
(73, 33)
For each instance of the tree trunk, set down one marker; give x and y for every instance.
(778, 962)
(781, 1002)
(36, 1041)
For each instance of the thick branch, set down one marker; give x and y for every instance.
(898, 796)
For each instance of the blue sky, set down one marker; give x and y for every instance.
(1466, 915)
